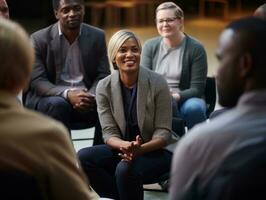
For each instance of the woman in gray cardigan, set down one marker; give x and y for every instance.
(134, 107)
(181, 60)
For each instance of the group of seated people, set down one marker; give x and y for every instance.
(64, 72)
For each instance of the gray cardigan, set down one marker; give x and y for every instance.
(153, 107)
(194, 69)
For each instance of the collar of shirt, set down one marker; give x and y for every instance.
(255, 97)
(61, 33)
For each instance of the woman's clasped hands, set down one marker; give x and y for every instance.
(131, 150)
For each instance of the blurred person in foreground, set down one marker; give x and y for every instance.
(4, 12)
(134, 107)
(29, 142)
(241, 86)
(71, 58)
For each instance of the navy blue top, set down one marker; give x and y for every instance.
(130, 111)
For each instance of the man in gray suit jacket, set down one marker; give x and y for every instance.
(70, 60)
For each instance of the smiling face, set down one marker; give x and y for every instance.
(167, 23)
(229, 82)
(127, 58)
(70, 14)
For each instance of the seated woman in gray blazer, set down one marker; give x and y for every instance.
(134, 106)
(181, 60)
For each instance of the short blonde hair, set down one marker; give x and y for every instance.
(116, 41)
(16, 55)
(170, 5)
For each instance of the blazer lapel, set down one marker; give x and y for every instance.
(85, 46)
(142, 94)
(117, 102)
(56, 49)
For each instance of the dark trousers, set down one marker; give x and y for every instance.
(112, 178)
(60, 109)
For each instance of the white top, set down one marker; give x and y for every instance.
(169, 64)
(72, 70)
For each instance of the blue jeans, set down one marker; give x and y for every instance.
(60, 109)
(112, 178)
(193, 111)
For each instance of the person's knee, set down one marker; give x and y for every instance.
(88, 153)
(125, 171)
(60, 104)
(82, 155)
(87, 159)
(193, 106)
(122, 169)
(55, 104)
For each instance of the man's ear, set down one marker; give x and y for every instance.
(245, 65)
(56, 14)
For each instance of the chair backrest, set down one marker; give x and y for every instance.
(242, 175)
(15, 185)
(81, 125)
(210, 95)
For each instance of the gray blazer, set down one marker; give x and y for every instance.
(194, 65)
(153, 107)
(48, 63)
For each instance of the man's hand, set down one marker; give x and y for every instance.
(81, 100)
(176, 96)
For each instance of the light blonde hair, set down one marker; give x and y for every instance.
(116, 41)
(170, 5)
(16, 55)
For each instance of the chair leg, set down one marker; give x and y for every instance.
(98, 136)
(178, 126)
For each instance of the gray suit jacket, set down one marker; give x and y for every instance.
(194, 65)
(48, 64)
(153, 107)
